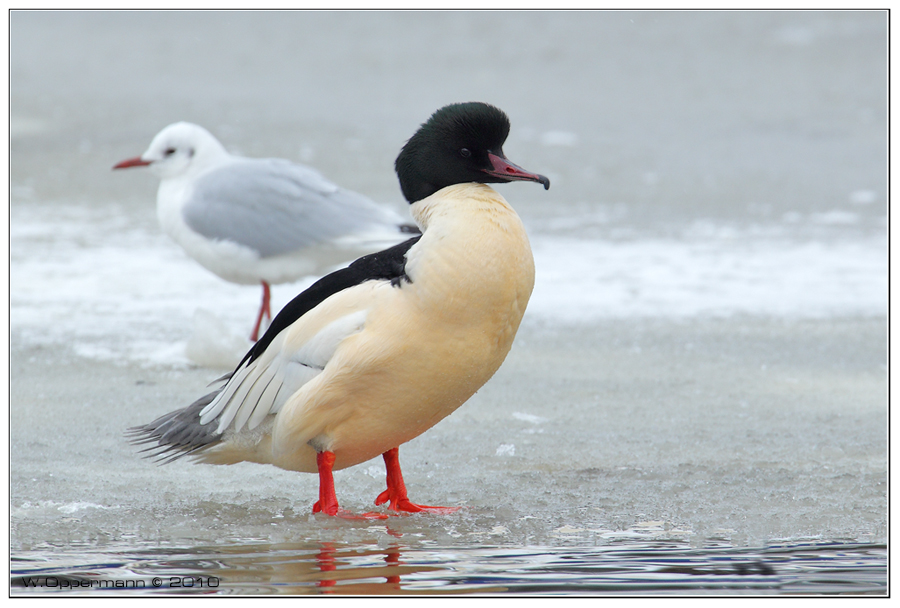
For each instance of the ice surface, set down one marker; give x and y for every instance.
(747, 431)
(721, 384)
(559, 138)
(82, 274)
(579, 280)
(213, 343)
(863, 197)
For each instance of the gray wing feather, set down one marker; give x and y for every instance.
(274, 207)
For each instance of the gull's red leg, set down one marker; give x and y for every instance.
(267, 296)
(265, 310)
(327, 502)
(396, 489)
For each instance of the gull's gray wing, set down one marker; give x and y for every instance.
(273, 207)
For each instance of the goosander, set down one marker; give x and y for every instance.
(375, 354)
(258, 220)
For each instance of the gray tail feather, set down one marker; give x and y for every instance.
(177, 434)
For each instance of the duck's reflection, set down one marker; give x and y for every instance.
(324, 567)
(325, 558)
(328, 566)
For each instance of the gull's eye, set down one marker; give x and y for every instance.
(465, 153)
(169, 151)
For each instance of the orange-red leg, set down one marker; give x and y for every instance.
(395, 494)
(265, 310)
(327, 502)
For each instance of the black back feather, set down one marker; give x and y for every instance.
(389, 264)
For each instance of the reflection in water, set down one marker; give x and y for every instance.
(391, 574)
(332, 569)
(326, 567)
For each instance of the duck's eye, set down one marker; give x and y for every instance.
(465, 153)
(169, 151)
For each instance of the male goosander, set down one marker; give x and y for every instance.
(258, 220)
(377, 353)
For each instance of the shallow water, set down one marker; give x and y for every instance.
(695, 403)
(634, 567)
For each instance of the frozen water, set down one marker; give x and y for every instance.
(80, 275)
(863, 197)
(559, 138)
(653, 378)
(721, 275)
(213, 343)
